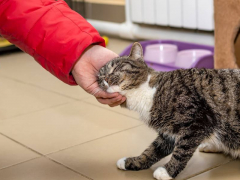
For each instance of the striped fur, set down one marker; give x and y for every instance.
(189, 107)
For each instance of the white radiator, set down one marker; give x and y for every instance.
(191, 14)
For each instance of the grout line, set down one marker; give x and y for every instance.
(42, 88)
(80, 100)
(67, 167)
(94, 140)
(110, 110)
(19, 163)
(40, 155)
(84, 99)
(51, 107)
(47, 155)
(22, 144)
(207, 170)
(49, 160)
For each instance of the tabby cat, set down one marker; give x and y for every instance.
(187, 108)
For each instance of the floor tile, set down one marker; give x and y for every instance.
(39, 169)
(229, 171)
(29, 71)
(64, 126)
(18, 98)
(24, 68)
(97, 159)
(118, 109)
(13, 153)
(201, 162)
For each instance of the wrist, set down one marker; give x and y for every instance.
(85, 56)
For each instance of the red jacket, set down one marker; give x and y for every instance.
(48, 30)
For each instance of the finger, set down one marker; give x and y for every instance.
(115, 104)
(105, 95)
(123, 99)
(110, 100)
(118, 103)
(103, 101)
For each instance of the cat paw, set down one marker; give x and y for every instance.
(121, 164)
(161, 174)
(206, 147)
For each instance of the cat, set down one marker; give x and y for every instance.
(188, 108)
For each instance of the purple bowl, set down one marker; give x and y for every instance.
(206, 61)
(161, 53)
(186, 58)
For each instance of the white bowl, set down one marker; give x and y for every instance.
(161, 53)
(186, 58)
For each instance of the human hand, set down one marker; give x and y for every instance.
(86, 69)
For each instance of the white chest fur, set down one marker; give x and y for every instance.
(140, 99)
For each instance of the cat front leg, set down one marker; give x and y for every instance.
(182, 153)
(160, 148)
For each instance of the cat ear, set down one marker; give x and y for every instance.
(136, 51)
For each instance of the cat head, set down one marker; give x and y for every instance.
(124, 73)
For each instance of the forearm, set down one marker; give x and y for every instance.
(50, 31)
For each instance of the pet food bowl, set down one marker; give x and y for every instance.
(206, 61)
(161, 53)
(186, 58)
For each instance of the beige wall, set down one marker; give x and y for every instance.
(104, 10)
(115, 2)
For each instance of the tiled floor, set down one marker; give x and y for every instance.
(49, 130)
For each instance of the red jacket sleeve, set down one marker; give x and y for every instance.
(48, 30)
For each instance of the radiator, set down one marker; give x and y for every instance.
(190, 14)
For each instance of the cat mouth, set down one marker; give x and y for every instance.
(104, 85)
(110, 89)
(102, 82)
